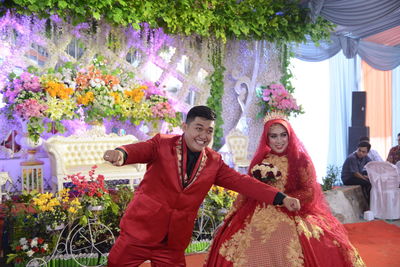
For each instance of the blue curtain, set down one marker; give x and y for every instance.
(344, 78)
(395, 104)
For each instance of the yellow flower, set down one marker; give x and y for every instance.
(86, 99)
(72, 210)
(117, 97)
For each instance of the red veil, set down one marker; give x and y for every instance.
(310, 195)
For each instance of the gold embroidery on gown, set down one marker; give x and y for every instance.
(270, 237)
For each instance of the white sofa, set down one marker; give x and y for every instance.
(78, 153)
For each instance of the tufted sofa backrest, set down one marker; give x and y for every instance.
(77, 150)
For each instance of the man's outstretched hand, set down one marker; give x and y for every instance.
(115, 157)
(291, 203)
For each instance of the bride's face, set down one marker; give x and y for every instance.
(278, 138)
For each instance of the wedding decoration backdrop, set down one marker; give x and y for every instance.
(204, 52)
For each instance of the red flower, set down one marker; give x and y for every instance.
(36, 249)
(40, 240)
(18, 248)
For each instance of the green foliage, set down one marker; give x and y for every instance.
(287, 75)
(272, 20)
(332, 177)
(216, 81)
(218, 202)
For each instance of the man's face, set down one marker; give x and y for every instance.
(362, 152)
(198, 133)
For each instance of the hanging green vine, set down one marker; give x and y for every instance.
(216, 81)
(271, 20)
(287, 75)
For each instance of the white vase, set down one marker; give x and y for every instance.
(27, 143)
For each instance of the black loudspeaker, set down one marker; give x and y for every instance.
(358, 108)
(354, 137)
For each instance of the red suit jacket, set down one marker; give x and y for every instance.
(161, 208)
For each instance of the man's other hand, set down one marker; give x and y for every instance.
(291, 203)
(115, 157)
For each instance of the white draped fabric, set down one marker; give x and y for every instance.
(385, 192)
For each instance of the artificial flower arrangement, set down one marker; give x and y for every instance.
(266, 172)
(26, 100)
(92, 192)
(55, 210)
(92, 93)
(275, 98)
(27, 249)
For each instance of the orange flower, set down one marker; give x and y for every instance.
(56, 89)
(110, 80)
(136, 94)
(86, 99)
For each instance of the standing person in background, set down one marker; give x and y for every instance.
(353, 172)
(256, 234)
(394, 153)
(158, 223)
(372, 154)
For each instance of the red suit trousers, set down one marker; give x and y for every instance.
(128, 252)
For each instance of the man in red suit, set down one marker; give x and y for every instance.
(158, 223)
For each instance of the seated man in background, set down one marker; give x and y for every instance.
(353, 172)
(394, 153)
(372, 154)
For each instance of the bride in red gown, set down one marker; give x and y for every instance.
(256, 234)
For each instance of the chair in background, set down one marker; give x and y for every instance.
(238, 144)
(385, 191)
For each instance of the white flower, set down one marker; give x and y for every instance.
(25, 247)
(93, 83)
(23, 241)
(45, 246)
(30, 253)
(34, 242)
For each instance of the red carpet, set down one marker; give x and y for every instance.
(377, 242)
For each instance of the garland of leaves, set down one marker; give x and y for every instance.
(271, 20)
(216, 81)
(287, 75)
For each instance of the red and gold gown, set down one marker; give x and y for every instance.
(255, 234)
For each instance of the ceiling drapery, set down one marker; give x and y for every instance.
(365, 27)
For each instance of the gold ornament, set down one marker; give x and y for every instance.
(275, 115)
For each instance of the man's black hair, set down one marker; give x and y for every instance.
(364, 138)
(365, 144)
(200, 111)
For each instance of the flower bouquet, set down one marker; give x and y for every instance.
(27, 249)
(98, 90)
(92, 193)
(275, 98)
(266, 172)
(25, 98)
(161, 107)
(55, 210)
